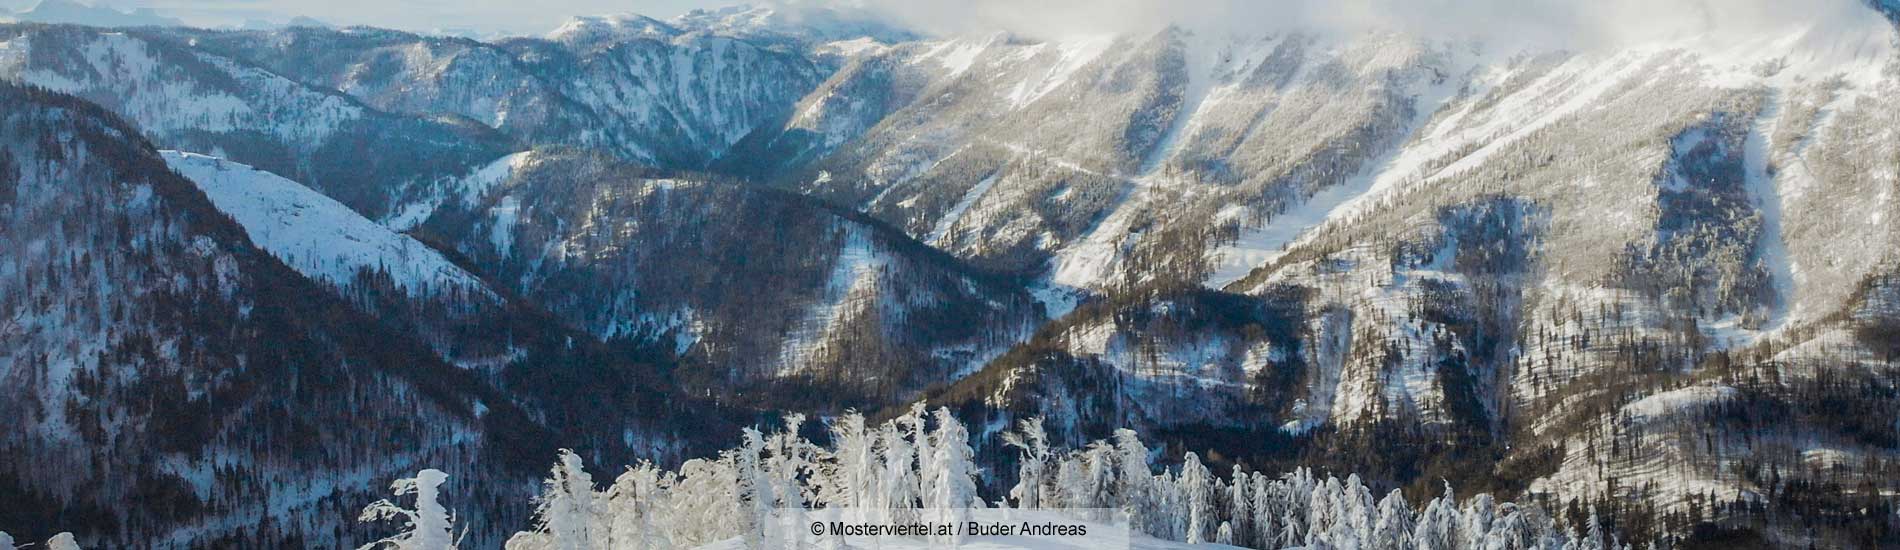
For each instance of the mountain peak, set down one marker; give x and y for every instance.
(72, 12)
(772, 23)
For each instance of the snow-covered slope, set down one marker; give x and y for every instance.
(187, 98)
(184, 367)
(315, 234)
(796, 294)
(1525, 267)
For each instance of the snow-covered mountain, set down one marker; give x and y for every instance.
(80, 13)
(1653, 276)
(316, 235)
(799, 294)
(153, 354)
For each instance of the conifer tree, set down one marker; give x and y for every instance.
(429, 525)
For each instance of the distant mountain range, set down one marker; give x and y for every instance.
(67, 11)
(248, 276)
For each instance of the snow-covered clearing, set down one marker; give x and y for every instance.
(1258, 246)
(1772, 248)
(314, 234)
(950, 218)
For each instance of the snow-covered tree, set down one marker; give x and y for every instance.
(635, 510)
(915, 422)
(428, 526)
(568, 514)
(1263, 506)
(703, 501)
(6, 541)
(733, 500)
(755, 488)
(1033, 464)
(1438, 524)
(1135, 478)
(62, 541)
(1103, 485)
(953, 471)
(1477, 515)
(899, 483)
(1199, 490)
(853, 480)
(1393, 529)
(1239, 503)
(1072, 484)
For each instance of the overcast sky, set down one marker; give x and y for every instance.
(1567, 23)
(514, 16)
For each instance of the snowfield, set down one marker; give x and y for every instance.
(315, 234)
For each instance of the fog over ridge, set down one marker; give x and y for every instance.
(1545, 23)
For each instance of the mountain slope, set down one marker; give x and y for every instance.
(670, 99)
(184, 98)
(507, 342)
(1651, 276)
(154, 357)
(797, 293)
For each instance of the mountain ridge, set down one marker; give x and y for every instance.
(1646, 278)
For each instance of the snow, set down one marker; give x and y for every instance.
(1678, 401)
(950, 218)
(1057, 299)
(1099, 536)
(502, 233)
(151, 94)
(1839, 39)
(957, 55)
(467, 190)
(1072, 55)
(1090, 259)
(862, 46)
(1761, 186)
(1261, 245)
(314, 234)
(1201, 61)
(854, 273)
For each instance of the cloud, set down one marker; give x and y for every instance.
(1559, 23)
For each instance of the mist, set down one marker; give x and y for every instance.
(1551, 23)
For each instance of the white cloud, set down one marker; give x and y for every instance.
(1561, 23)
(1554, 23)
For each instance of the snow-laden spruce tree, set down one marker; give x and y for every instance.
(1437, 525)
(62, 541)
(1594, 538)
(922, 439)
(1477, 515)
(1199, 493)
(952, 470)
(634, 509)
(702, 502)
(1136, 478)
(852, 479)
(728, 501)
(1239, 504)
(755, 488)
(1103, 476)
(791, 459)
(1393, 529)
(568, 511)
(1262, 532)
(899, 492)
(1032, 470)
(429, 526)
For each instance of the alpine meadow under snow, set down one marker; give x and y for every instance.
(1266, 274)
